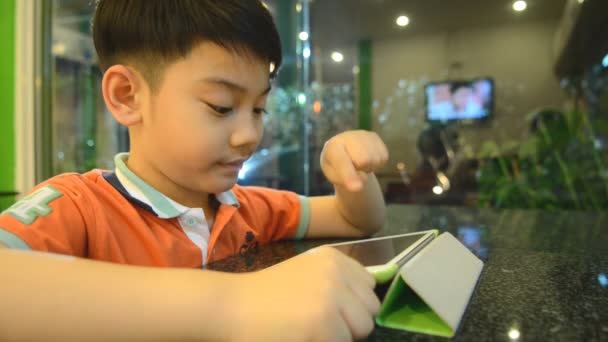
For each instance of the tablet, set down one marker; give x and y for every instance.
(383, 256)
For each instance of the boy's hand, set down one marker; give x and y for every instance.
(321, 295)
(349, 157)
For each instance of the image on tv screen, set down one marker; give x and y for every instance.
(459, 100)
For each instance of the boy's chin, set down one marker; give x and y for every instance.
(222, 184)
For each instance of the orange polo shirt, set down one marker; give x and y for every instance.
(117, 217)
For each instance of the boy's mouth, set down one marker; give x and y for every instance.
(234, 164)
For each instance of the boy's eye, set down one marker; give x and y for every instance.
(219, 109)
(226, 110)
(260, 111)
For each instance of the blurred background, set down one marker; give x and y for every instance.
(481, 103)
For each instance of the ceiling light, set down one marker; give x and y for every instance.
(514, 334)
(303, 35)
(603, 280)
(605, 61)
(437, 190)
(301, 99)
(581, 1)
(306, 52)
(316, 107)
(337, 56)
(402, 20)
(520, 5)
(299, 7)
(58, 49)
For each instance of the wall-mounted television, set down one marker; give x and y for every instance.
(459, 100)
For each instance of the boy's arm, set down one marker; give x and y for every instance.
(52, 297)
(357, 209)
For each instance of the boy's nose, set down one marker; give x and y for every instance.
(247, 131)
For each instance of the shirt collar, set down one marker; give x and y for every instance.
(161, 205)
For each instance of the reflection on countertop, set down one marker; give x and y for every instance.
(545, 275)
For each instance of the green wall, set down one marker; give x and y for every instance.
(7, 103)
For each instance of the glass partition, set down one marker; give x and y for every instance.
(481, 103)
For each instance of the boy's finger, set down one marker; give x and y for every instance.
(363, 288)
(359, 320)
(345, 169)
(367, 296)
(366, 157)
(359, 272)
(363, 176)
(338, 330)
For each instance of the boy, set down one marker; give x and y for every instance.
(189, 79)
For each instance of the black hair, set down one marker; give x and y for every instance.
(433, 142)
(153, 33)
(454, 86)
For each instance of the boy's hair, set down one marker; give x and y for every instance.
(459, 84)
(150, 34)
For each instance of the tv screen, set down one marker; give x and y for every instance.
(459, 100)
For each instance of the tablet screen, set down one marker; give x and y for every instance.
(378, 252)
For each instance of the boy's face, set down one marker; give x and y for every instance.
(205, 119)
(460, 98)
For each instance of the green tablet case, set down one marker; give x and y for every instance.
(430, 293)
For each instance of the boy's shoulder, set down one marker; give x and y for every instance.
(69, 195)
(284, 214)
(69, 190)
(73, 181)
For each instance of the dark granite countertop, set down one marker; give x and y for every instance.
(545, 275)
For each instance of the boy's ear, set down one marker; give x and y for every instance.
(122, 90)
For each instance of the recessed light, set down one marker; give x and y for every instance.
(402, 20)
(520, 5)
(301, 99)
(337, 56)
(437, 190)
(306, 52)
(303, 35)
(514, 334)
(58, 49)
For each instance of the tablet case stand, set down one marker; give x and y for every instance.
(431, 291)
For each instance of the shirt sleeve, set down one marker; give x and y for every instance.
(278, 214)
(49, 220)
